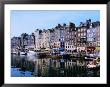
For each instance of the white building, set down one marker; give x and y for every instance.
(42, 38)
(45, 39)
(37, 35)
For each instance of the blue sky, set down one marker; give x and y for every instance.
(28, 21)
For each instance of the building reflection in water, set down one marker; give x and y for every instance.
(47, 67)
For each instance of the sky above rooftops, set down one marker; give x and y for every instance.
(28, 21)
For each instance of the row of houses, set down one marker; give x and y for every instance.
(67, 38)
(23, 42)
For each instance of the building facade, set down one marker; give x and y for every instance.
(24, 41)
(70, 38)
(62, 37)
(15, 44)
(93, 38)
(65, 38)
(42, 39)
(37, 35)
(81, 38)
(56, 38)
(31, 42)
(82, 35)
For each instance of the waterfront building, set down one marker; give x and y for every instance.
(62, 37)
(93, 38)
(57, 39)
(24, 41)
(97, 50)
(51, 38)
(56, 42)
(45, 39)
(82, 35)
(42, 39)
(66, 38)
(31, 42)
(15, 44)
(37, 35)
(70, 38)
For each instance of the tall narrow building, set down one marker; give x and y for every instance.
(81, 37)
(70, 38)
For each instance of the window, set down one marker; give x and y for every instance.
(84, 29)
(70, 46)
(78, 30)
(79, 34)
(81, 30)
(84, 34)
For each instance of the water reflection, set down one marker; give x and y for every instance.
(23, 66)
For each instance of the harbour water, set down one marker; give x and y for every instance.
(33, 66)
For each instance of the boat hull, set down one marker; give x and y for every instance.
(23, 53)
(31, 53)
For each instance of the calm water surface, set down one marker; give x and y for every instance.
(24, 66)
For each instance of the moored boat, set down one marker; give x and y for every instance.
(93, 64)
(31, 53)
(23, 53)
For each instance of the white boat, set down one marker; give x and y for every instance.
(31, 53)
(13, 51)
(91, 66)
(23, 53)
